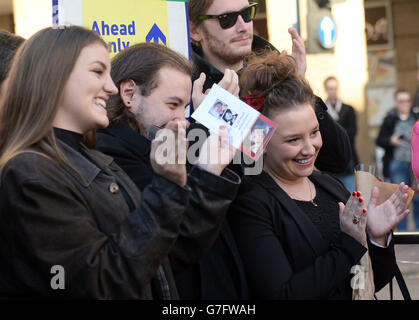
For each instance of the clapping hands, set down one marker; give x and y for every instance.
(168, 152)
(353, 218)
(378, 220)
(216, 152)
(385, 217)
(229, 82)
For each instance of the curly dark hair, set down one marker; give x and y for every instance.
(274, 76)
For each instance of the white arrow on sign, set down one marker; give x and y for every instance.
(327, 26)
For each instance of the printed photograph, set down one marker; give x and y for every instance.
(258, 137)
(218, 109)
(229, 117)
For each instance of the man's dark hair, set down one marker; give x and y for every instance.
(400, 90)
(141, 63)
(198, 8)
(328, 79)
(9, 43)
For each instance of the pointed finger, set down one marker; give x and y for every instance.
(363, 216)
(400, 202)
(351, 205)
(400, 191)
(198, 84)
(295, 36)
(225, 82)
(293, 32)
(225, 147)
(399, 197)
(341, 208)
(374, 197)
(402, 205)
(402, 216)
(299, 41)
(235, 83)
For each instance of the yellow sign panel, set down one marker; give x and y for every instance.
(127, 24)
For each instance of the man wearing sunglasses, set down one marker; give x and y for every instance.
(222, 37)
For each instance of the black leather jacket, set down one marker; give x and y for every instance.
(203, 222)
(76, 217)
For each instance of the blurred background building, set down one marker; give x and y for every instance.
(376, 50)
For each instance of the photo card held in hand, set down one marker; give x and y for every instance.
(248, 130)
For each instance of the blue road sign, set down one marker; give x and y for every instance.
(327, 32)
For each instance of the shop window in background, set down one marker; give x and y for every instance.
(259, 24)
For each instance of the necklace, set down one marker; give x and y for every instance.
(311, 196)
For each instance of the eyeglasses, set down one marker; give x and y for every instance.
(227, 20)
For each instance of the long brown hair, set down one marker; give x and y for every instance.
(274, 76)
(141, 63)
(34, 89)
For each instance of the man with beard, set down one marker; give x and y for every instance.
(154, 84)
(222, 38)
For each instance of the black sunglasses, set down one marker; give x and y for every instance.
(227, 20)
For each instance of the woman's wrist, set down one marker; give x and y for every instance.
(382, 241)
(378, 241)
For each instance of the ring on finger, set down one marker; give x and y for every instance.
(356, 219)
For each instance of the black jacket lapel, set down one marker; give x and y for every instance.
(313, 236)
(331, 185)
(134, 141)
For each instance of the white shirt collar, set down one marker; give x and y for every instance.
(334, 112)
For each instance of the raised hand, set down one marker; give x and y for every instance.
(198, 86)
(353, 218)
(168, 152)
(385, 217)
(229, 82)
(298, 51)
(216, 153)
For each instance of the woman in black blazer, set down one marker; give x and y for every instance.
(296, 237)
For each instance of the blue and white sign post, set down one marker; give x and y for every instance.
(327, 32)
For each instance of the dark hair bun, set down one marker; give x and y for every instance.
(266, 70)
(274, 76)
